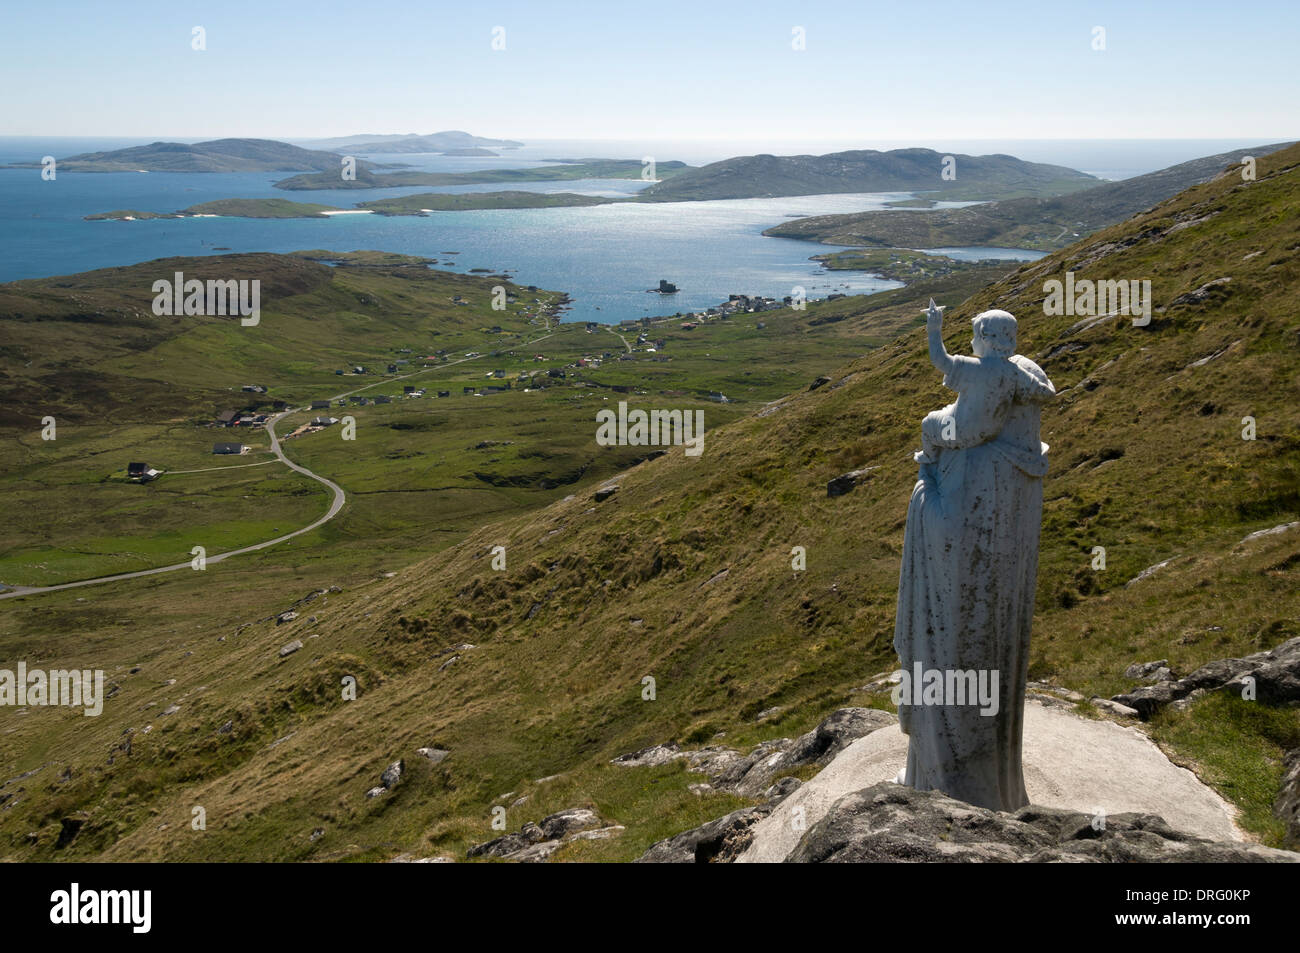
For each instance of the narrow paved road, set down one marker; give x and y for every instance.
(335, 505)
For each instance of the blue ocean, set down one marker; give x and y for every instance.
(605, 257)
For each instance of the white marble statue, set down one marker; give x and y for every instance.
(970, 563)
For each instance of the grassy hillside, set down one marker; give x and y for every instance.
(532, 676)
(1044, 223)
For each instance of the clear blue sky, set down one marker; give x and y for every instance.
(659, 70)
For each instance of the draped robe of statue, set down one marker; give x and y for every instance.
(966, 599)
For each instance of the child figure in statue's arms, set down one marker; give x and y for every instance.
(986, 384)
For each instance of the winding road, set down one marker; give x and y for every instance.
(336, 504)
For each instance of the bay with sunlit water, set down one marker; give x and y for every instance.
(606, 257)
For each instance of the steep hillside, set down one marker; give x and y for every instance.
(867, 170)
(532, 677)
(1045, 223)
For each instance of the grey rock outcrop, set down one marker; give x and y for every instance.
(719, 841)
(567, 822)
(845, 482)
(752, 774)
(1276, 675)
(650, 757)
(392, 774)
(435, 755)
(889, 822)
(1157, 671)
(536, 842)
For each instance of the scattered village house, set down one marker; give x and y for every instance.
(323, 421)
(141, 472)
(229, 448)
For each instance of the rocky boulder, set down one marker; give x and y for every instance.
(719, 841)
(845, 482)
(574, 819)
(889, 822)
(750, 776)
(534, 843)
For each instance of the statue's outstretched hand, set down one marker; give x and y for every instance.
(933, 316)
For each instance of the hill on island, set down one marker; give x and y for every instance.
(867, 170)
(449, 141)
(217, 155)
(514, 688)
(1030, 222)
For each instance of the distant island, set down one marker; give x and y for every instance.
(218, 155)
(1040, 223)
(867, 170)
(901, 264)
(558, 170)
(450, 142)
(420, 204)
(229, 208)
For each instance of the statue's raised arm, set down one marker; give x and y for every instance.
(939, 355)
